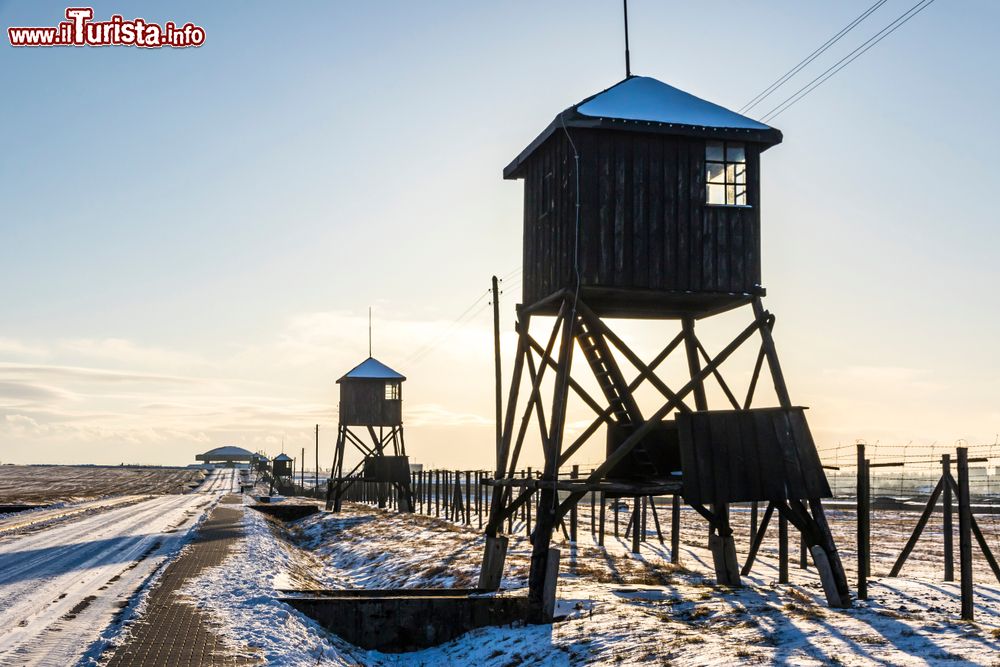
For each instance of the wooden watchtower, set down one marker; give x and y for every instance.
(643, 202)
(371, 420)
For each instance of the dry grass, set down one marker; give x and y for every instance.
(48, 484)
(811, 613)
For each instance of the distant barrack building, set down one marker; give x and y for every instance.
(228, 455)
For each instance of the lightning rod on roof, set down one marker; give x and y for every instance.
(628, 64)
(369, 331)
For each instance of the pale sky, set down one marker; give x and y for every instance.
(190, 239)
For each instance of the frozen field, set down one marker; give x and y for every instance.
(615, 608)
(50, 484)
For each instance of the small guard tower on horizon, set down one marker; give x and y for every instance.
(371, 420)
(643, 202)
(282, 472)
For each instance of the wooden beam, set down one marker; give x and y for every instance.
(645, 371)
(753, 378)
(717, 374)
(623, 449)
(606, 413)
(574, 385)
(918, 530)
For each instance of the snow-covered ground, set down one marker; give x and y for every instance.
(65, 590)
(616, 608)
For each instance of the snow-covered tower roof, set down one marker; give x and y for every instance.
(371, 369)
(645, 104)
(371, 395)
(647, 198)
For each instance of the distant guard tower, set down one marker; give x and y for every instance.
(643, 202)
(371, 420)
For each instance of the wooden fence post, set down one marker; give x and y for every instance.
(635, 524)
(614, 507)
(782, 548)
(572, 512)
(965, 534)
(675, 529)
(861, 491)
(600, 526)
(593, 516)
(948, 528)
(437, 493)
(642, 522)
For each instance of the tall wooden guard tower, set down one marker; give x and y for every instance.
(371, 400)
(643, 202)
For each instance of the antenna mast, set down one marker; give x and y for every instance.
(628, 64)
(369, 331)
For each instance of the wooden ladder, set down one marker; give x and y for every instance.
(616, 391)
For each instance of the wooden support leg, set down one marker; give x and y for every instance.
(839, 595)
(494, 556)
(543, 572)
(721, 541)
(551, 583)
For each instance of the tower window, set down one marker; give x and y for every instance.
(392, 391)
(726, 173)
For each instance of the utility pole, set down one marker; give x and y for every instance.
(302, 471)
(496, 358)
(316, 481)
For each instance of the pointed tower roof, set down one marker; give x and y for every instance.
(645, 104)
(371, 369)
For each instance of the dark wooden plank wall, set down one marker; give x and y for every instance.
(745, 455)
(363, 403)
(644, 223)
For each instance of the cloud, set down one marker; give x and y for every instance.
(23, 392)
(77, 373)
(11, 347)
(128, 353)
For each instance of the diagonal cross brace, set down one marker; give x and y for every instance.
(647, 426)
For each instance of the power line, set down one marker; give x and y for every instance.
(764, 94)
(434, 341)
(454, 328)
(898, 23)
(461, 321)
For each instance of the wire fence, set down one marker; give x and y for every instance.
(912, 505)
